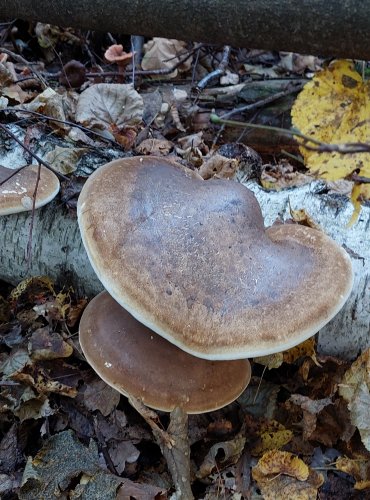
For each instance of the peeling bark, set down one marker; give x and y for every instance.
(58, 252)
(324, 27)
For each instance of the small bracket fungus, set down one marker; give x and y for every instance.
(16, 194)
(191, 259)
(139, 363)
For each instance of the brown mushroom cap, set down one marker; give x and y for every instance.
(16, 193)
(138, 362)
(191, 260)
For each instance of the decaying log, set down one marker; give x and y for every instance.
(58, 252)
(325, 27)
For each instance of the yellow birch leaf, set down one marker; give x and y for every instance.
(281, 475)
(282, 462)
(272, 440)
(334, 107)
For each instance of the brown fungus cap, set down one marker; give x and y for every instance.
(138, 362)
(191, 259)
(16, 193)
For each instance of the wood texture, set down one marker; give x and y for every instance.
(323, 27)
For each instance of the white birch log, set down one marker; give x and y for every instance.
(58, 253)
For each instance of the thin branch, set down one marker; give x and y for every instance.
(30, 233)
(217, 72)
(34, 155)
(24, 61)
(291, 89)
(64, 122)
(319, 146)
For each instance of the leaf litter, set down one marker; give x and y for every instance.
(300, 429)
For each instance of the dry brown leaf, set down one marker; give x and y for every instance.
(232, 451)
(52, 104)
(64, 160)
(121, 453)
(218, 167)
(355, 389)
(39, 379)
(282, 176)
(46, 344)
(159, 147)
(310, 410)
(109, 106)
(302, 217)
(306, 348)
(163, 53)
(100, 396)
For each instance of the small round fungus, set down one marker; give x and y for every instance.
(191, 259)
(16, 194)
(137, 362)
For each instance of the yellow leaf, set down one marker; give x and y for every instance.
(358, 468)
(334, 107)
(306, 348)
(281, 475)
(271, 360)
(272, 439)
(282, 462)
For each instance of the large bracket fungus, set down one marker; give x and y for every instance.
(16, 194)
(137, 362)
(191, 260)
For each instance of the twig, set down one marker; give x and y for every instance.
(217, 72)
(64, 122)
(24, 61)
(319, 146)
(174, 444)
(34, 155)
(30, 233)
(259, 104)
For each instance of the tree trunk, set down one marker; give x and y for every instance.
(325, 27)
(58, 252)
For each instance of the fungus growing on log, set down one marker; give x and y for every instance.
(139, 363)
(191, 260)
(16, 194)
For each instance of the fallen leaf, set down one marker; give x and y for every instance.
(310, 410)
(122, 453)
(164, 53)
(281, 475)
(281, 462)
(334, 108)
(259, 398)
(272, 436)
(98, 395)
(52, 104)
(231, 452)
(282, 176)
(159, 147)
(358, 468)
(301, 216)
(355, 389)
(130, 490)
(33, 407)
(46, 344)
(64, 160)
(218, 167)
(109, 105)
(62, 459)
